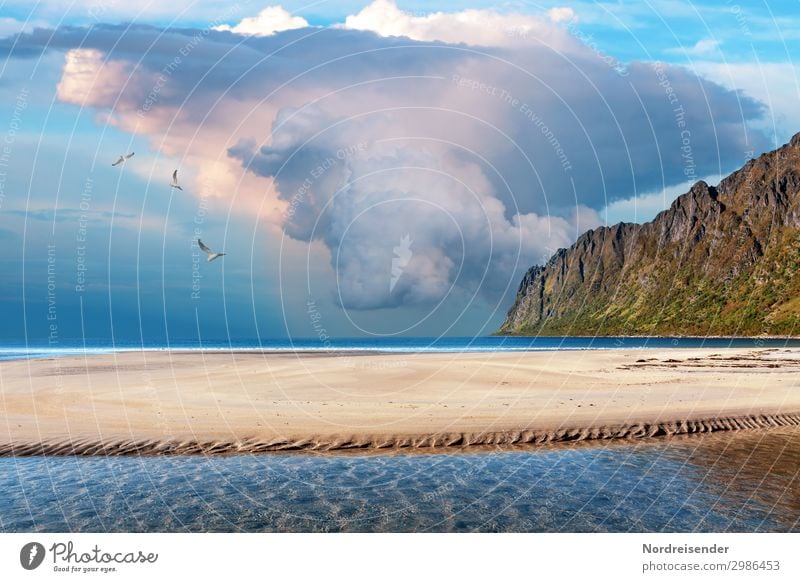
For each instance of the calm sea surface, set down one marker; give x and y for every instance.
(746, 481)
(21, 349)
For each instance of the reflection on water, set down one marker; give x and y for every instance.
(747, 481)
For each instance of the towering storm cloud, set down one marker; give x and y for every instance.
(428, 155)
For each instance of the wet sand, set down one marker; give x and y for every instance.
(226, 402)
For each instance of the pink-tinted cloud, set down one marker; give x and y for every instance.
(487, 155)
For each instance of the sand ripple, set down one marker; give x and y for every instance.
(155, 447)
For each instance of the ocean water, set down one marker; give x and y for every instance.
(21, 349)
(744, 482)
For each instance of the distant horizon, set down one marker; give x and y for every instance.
(371, 342)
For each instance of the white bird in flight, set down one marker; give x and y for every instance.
(123, 159)
(211, 254)
(175, 181)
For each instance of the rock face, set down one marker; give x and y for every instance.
(720, 261)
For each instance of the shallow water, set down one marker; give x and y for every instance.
(747, 481)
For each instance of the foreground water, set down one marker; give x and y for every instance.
(747, 481)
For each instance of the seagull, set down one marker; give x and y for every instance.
(122, 159)
(211, 254)
(175, 181)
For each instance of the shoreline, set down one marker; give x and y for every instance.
(178, 346)
(382, 444)
(226, 402)
(21, 353)
(697, 337)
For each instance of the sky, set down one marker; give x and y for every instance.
(370, 169)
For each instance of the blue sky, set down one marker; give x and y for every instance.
(766, 30)
(315, 139)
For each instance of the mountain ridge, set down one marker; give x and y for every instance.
(721, 260)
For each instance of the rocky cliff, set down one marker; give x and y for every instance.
(720, 261)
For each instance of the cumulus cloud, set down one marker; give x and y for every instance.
(562, 14)
(488, 150)
(471, 26)
(91, 80)
(270, 20)
(363, 198)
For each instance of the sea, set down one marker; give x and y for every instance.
(746, 481)
(22, 349)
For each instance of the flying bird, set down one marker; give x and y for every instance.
(175, 181)
(211, 254)
(123, 159)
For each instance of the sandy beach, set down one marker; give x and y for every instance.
(157, 402)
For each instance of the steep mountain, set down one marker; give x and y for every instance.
(720, 261)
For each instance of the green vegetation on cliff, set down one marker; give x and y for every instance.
(720, 261)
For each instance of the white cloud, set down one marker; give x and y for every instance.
(703, 47)
(269, 21)
(471, 26)
(562, 14)
(91, 80)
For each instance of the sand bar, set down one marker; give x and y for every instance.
(223, 402)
